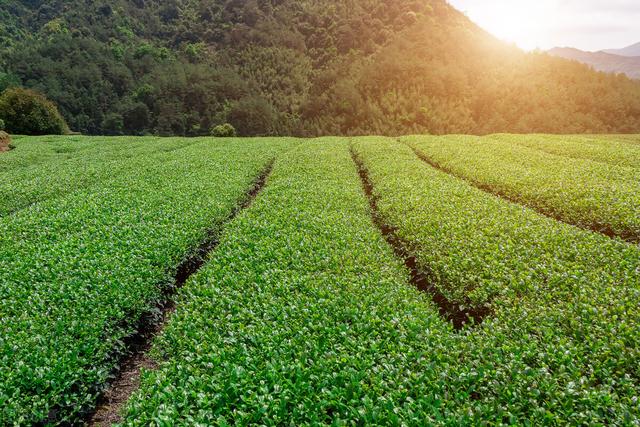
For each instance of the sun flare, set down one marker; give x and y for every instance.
(525, 23)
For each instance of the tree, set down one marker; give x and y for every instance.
(253, 116)
(27, 112)
(307, 67)
(136, 118)
(113, 124)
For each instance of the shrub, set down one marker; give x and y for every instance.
(1, 124)
(27, 112)
(224, 130)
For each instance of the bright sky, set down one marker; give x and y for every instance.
(584, 24)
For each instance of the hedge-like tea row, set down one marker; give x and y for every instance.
(302, 316)
(33, 150)
(592, 195)
(52, 167)
(563, 344)
(476, 246)
(41, 149)
(628, 138)
(607, 149)
(77, 272)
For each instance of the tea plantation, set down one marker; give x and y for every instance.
(421, 280)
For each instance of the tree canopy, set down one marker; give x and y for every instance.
(305, 67)
(27, 112)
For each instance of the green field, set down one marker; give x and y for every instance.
(421, 280)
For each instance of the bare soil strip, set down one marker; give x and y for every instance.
(627, 237)
(127, 379)
(449, 310)
(5, 142)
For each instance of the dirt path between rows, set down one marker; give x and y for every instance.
(127, 380)
(628, 237)
(419, 278)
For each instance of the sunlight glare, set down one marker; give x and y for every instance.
(526, 23)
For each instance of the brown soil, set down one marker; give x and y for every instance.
(5, 140)
(127, 381)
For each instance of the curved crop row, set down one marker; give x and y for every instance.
(588, 194)
(303, 316)
(77, 272)
(631, 139)
(612, 150)
(563, 343)
(32, 151)
(42, 170)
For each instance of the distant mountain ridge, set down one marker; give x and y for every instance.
(633, 50)
(625, 61)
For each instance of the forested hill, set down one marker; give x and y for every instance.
(303, 67)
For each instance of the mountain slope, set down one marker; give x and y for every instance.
(633, 50)
(602, 61)
(306, 67)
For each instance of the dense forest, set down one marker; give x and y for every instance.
(301, 67)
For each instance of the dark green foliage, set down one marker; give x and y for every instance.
(1, 124)
(113, 124)
(27, 112)
(7, 81)
(314, 67)
(252, 116)
(223, 130)
(135, 117)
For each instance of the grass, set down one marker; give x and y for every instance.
(304, 313)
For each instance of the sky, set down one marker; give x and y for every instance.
(584, 24)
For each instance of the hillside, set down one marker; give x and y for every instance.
(602, 61)
(296, 67)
